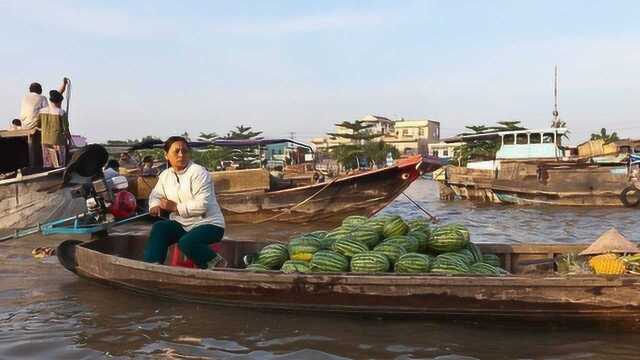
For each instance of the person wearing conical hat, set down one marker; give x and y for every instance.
(611, 242)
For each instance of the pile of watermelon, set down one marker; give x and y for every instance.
(381, 244)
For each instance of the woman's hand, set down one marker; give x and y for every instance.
(155, 211)
(168, 205)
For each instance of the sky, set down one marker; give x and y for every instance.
(164, 67)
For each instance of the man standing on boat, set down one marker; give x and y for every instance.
(33, 102)
(54, 124)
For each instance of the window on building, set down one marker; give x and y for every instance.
(535, 138)
(421, 132)
(508, 139)
(522, 139)
(435, 153)
(405, 132)
(445, 153)
(547, 138)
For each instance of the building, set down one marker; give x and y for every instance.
(408, 136)
(413, 136)
(443, 150)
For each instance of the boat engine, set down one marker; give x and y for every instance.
(107, 198)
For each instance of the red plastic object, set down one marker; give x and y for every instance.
(177, 258)
(124, 204)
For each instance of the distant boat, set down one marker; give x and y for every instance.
(532, 167)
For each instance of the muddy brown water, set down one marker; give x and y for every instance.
(47, 312)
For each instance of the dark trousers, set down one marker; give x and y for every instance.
(194, 244)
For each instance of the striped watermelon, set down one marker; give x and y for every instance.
(492, 259)
(475, 252)
(256, 268)
(369, 262)
(391, 250)
(352, 222)
(421, 238)
(348, 247)
(449, 263)
(318, 234)
(395, 227)
(376, 224)
(485, 269)
(421, 225)
(467, 255)
(272, 256)
(409, 243)
(292, 266)
(302, 248)
(329, 261)
(332, 236)
(413, 263)
(459, 228)
(366, 235)
(446, 239)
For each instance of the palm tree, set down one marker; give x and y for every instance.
(608, 138)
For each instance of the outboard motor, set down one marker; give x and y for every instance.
(105, 198)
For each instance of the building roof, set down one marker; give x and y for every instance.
(376, 118)
(412, 123)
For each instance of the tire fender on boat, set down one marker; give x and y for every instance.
(625, 199)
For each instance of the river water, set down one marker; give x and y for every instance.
(47, 312)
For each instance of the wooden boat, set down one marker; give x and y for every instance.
(532, 292)
(326, 203)
(26, 197)
(531, 167)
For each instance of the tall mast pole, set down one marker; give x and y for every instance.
(556, 115)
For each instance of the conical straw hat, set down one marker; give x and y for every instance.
(611, 242)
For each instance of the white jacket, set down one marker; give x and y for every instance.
(192, 190)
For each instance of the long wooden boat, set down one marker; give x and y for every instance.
(526, 183)
(325, 203)
(532, 292)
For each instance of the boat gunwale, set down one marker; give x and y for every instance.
(423, 279)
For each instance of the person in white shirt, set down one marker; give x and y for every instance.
(111, 170)
(195, 222)
(33, 102)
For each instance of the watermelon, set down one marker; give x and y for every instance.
(292, 266)
(376, 224)
(272, 256)
(459, 228)
(256, 268)
(467, 255)
(413, 263)
(391, 250)
(450, 263)
(485, 269)
(395, 227)
(302, 248)
(369, 261)
(421, 238)
(446, 239)
(318, 234)
(475, 252)
(367, 235)
(329, 261)
(352, 222)
(491, 259)
(421, 225)
(348, 247)
(409, 243)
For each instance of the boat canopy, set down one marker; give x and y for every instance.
(156, 143)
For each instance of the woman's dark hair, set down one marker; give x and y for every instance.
(55, 96)
(16, 122)
(113, 164)
(174, 139)
(170, 141)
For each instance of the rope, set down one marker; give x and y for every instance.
(433, 218)
(288, 211)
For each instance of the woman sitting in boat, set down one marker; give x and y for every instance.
(185, 190)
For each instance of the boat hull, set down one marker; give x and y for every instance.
(36, 199)
(531, 184)
(522, 295)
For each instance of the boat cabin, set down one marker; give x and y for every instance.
(21, 150)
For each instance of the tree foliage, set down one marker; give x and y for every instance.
(360, 131)
(603, 135)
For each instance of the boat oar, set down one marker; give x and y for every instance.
(433, 218)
